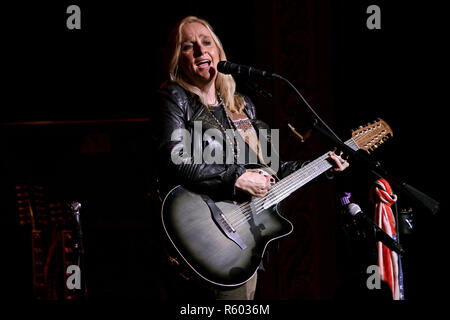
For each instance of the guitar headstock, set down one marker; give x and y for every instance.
(372, 135)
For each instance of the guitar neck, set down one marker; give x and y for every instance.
(302, 176)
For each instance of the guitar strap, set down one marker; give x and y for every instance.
(244, 127)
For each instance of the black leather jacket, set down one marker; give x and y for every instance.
(178, 109)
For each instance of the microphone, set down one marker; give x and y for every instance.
(227, 67)
(380, 235)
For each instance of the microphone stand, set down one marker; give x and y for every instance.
(374, 167)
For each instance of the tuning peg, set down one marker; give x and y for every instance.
(356, 129)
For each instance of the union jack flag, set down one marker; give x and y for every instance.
(389, 262)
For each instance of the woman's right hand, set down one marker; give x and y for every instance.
(255, 182)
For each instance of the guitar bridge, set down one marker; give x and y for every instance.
(227, 222)
(223, 224)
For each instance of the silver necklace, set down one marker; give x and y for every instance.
(234, 144)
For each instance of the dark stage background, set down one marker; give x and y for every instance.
(75, 117)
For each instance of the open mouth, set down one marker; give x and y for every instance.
(203, 63)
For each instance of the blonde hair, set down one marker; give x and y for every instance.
(225, 84)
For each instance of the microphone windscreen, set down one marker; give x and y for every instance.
(224, 67)
(354, 209)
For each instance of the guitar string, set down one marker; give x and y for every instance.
(292, 186)
(280, 184)
(352, 141)
(308, 175)
(288, 185)
(291, 183)
(256, 206)
(238, 211)
(278, 197)
(274, 197)
(277, 186)
(244, 212)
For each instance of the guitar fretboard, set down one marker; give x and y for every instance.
(282, 189)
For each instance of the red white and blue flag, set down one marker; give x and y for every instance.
(389, 262)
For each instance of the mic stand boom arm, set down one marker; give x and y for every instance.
(374, 167)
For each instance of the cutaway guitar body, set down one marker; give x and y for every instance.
(224, 242)
(207, 249)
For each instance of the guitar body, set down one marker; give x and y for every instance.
(190, 227)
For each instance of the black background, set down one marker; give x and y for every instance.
(111, 68)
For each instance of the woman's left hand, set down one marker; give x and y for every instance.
(340, 164)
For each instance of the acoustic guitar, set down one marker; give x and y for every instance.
(224, 242)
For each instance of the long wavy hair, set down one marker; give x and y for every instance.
(225, 84)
